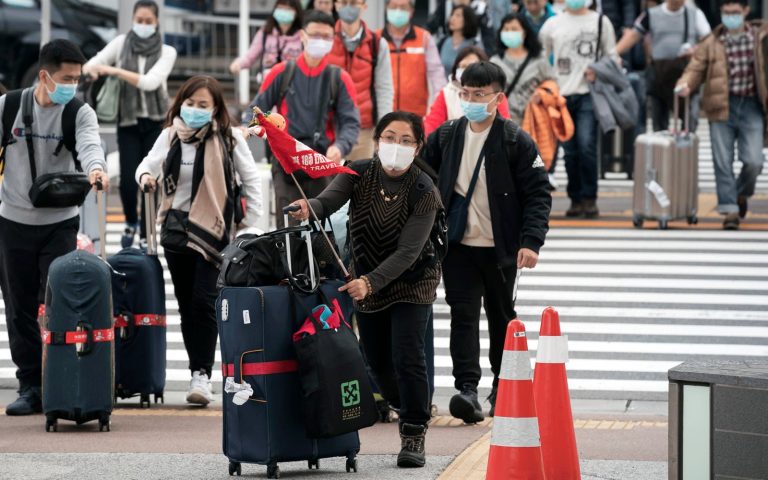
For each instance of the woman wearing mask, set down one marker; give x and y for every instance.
(277, 41)
(142, 63)
(447, 105)
(522, 62)
(392, 208)
(463, 27)
(195, 160)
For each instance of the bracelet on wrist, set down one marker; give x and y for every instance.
(367, 285)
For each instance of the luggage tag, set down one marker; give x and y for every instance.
(243, 391)
(659, 193)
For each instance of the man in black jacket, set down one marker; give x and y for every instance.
(495, 187)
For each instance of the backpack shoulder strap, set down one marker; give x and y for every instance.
(599, 36)
(511, 130)
(334, 85)
(68, 130)
(10, 110)
(360, 166)
(285, 80)
(445, 131)
(422, 185)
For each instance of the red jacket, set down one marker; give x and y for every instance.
(440, 112)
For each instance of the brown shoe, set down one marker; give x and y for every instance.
(731, 222)
(742, 202)
(590, 208)
(576, 210)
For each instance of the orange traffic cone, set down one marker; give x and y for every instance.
(553, 403)
(515, 447)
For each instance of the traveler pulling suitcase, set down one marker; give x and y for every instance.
(78, 339)
(262, 391)
(140, 322)
(667, 174)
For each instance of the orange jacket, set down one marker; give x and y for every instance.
(548, 121)
(409, 71)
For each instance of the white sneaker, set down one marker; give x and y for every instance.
(200, 392)
(552, 181)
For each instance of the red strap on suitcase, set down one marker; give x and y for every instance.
(261, 368)
(141, 320)
(71, 338)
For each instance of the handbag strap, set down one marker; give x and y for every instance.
(475, 175)
(518, 74)
(685, 21)
(27, 119)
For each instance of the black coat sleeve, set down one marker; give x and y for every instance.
(532, 186)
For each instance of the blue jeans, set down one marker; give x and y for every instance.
(581, 150)
(745, 124)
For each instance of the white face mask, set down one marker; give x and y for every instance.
(396, 157)
(143, 30)
(319, 48)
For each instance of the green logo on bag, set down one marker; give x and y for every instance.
(350, 393)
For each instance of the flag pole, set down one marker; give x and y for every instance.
(347, 276)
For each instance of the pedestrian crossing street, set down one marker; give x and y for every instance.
(619, 181)
(634, 303)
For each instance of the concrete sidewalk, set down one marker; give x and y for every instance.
(616, 441)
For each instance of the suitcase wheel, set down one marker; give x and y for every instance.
(51, 424)
(144, 400)
(351, 465)
(637, 221)
(692, 220)
(235, 468)
(104, 423)
(273, 471)
(663, 225)
(313, 464)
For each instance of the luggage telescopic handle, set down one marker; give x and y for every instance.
(308, 238)
(102, 214)
(686, 114)
(150, 210)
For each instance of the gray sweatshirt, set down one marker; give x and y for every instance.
(46, 126)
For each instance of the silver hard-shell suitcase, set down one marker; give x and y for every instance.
(666, 175)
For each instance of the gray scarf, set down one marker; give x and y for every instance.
(157, 100)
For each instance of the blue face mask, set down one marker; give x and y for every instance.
(195, 117)
(398, 18)
(62, 93)
(733, 22)
(475, 112)
(575, 4)
(283, 16)
(512, 39)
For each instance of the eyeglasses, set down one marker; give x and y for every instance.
(476, 95)
(404, 141)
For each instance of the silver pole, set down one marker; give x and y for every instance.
(243, 38)
(45, 22)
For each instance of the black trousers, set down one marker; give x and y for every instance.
(287, 193)
(26, 252)
(194, 283)
(471, 275)
(134, 143)
(393, 340)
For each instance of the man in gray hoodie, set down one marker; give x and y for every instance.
(31, 238)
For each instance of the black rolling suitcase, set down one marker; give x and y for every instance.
(78, 339)
(140, 323)
(263, 398)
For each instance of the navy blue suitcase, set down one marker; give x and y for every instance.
(78, 341)
(140, 322)
(255, 333)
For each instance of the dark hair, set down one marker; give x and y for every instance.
(464, 53)
(150, 4)
(314, 16)
(471, 23)
(56, 52)
(410, 118)
(335, 14)
(482, 74)
(271, 23)
(743, 3)
(531, 41)
(221, 114)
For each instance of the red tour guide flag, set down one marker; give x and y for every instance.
(294, 155)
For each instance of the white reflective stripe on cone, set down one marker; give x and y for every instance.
(552, 349)
(515, 366)
(515, 432)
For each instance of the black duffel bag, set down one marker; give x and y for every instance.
(261, 260)
(337, 395)
(58, 190)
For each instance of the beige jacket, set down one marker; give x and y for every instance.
(709, 66)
